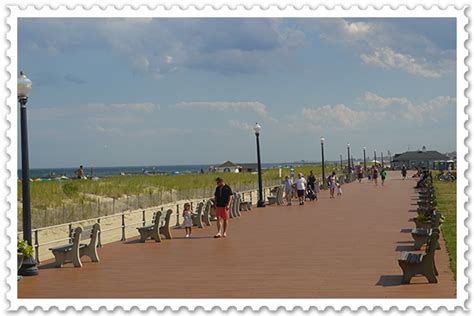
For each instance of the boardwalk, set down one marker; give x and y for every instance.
(342, 248)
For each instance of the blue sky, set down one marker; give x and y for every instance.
(111, 92)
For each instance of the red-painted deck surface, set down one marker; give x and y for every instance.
(342, 248)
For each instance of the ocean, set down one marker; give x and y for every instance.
(114, 171)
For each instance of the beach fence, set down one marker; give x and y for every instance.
(96, 206)
(122, 224)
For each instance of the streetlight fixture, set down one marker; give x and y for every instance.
(365, 161)
(322, 162)
(261, 202)
(24, 86)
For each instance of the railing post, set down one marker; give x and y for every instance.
(123, 227)
(177, 214)
(70, 233)
(143, 217)
(36, 246)
(99, 242)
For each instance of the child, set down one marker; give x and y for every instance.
(339, 190)
(188, 219)
(288, 189)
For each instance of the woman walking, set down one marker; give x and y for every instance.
(360, 174)
(288, 183)
(332, 185)
(375, 174)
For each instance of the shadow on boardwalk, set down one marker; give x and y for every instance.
(330, 248)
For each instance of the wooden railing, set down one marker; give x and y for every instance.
(246, 196)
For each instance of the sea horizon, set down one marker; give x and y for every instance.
(140, 169)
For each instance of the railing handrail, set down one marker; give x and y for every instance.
(122, 226)
(125, 212)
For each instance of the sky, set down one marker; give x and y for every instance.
(164, 91)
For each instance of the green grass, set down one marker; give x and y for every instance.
(47, 194)
(446, 197)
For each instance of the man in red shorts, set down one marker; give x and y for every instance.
(222, 198)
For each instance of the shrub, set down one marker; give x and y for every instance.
(24, 248)
(70, 189)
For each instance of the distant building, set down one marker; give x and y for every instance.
(230, 166)
(248, 167)
(422, 158)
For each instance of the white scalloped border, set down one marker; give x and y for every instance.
(463, 139)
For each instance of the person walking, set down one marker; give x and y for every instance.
(332, 184)
(404, 172)
(311, 180)
(288, 184)
(369, 174)
(301, 188)
(375, 174)
(383, 175)
(222, 198)
(360, 174)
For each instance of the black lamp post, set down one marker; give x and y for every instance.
(381, 157)
(261, 202)
(348, 157)
(375, 157)
(365, 161)
(322, 162)
(24, 86)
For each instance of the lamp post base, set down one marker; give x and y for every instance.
(28, 267)
(260, 204)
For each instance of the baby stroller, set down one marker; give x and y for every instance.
(310, 195)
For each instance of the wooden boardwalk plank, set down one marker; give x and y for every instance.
(341, 248)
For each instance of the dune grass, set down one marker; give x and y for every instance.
(446, 198)
(46, 194)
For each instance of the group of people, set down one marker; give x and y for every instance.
(222, 200)
(306, 188)
(372, 174)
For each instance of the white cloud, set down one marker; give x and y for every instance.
(380, 44)
(339, 115)
(428, 110)
(371, 110)
(387, 58)
(254, 106)
(357, 28)
(410, 110)
(371, 98)
(241, 125)
(94, 111)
